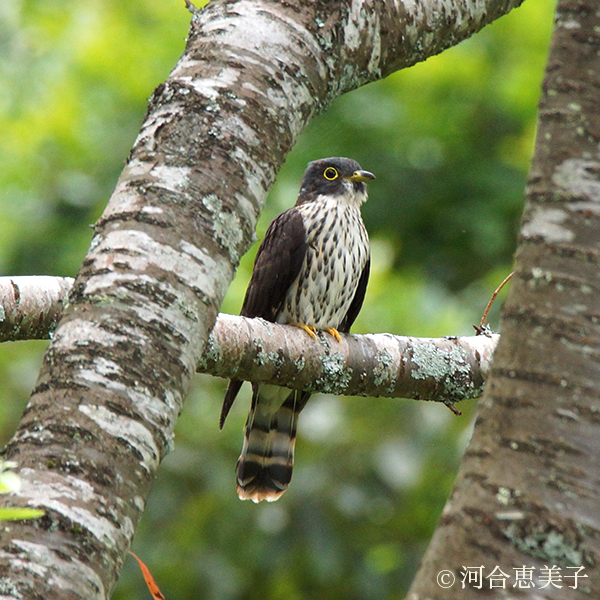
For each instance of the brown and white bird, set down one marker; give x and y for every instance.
(311, 271)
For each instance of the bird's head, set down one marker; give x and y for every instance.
(334, 177)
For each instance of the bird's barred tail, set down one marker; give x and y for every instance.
(264, 469)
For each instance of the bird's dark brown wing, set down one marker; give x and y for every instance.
(277, 264)
(357, 301)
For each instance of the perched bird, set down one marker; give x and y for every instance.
(311, 271)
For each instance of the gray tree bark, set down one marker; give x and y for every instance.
(528, 487)
(102, 413)
(30, 307)
(447, 369)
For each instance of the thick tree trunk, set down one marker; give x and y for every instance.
(528, 489)
(101, 416)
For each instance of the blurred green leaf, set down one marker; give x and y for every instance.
(19, 514)
(10, 482)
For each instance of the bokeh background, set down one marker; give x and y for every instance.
(449, 140)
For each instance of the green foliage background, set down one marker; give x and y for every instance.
(449, 140)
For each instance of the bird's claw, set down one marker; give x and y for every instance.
(309, 329)
(334, 332)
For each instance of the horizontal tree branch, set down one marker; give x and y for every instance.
(444, 369)
(30, 307)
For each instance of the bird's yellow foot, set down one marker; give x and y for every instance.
(334, 332)
(308, 328)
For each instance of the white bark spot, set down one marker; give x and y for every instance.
(579, 178)
(157, 119)
(252, 170)
(363, 27)
(78, 332)
(66, 487)
(357, 23)
(126, 429)
(124, 199)
(254, 32)
(233, 126)
(547, 223)
(226, 226)
(209, 88)
(105, 366)
(135, 169)
(171, 178)
(150, 406)
(65, 495)
(152, 210)
(196, 268)
(70, 575)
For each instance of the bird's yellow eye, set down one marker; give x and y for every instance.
(330, 173)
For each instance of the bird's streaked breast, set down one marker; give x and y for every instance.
(338, 249)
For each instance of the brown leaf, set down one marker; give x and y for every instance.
(156, 593)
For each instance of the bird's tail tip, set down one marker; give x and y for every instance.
(258, 495)
(257, 481)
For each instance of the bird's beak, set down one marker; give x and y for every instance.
(361, 176)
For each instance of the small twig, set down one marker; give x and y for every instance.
(483, 328)
(450, 405)
(191, 7)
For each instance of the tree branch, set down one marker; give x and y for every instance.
(447, 369)
(30, 307)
